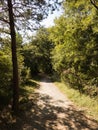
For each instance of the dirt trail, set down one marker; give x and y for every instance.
(48, 109)
(59, 113)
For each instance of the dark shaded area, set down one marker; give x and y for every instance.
(32, 83)
(5, 98)
(45, 77)
(46, 116)
(6, 92)
(6, 95)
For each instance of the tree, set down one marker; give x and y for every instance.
(14, 57)
(37, 53)
(74, 36)
(21, 13)
(44, 46)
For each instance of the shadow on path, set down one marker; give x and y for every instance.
(40, 113)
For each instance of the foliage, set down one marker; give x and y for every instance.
(24, 72)
(6, 51)
(89, 105)
(27, 14)
(5, 71)
(75, 54)
(37, 54)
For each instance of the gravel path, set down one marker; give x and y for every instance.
(47, 109)
(58, 112)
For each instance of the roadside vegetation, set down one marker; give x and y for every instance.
(84, 102)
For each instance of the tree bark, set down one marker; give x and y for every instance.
(15, 104)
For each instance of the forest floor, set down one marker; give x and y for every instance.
(48, 109)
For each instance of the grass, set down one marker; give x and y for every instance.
(26, 102)
(90, 105)
(24, 92)
(27, 90)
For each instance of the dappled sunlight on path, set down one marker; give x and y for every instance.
(63, 114)
(49, 109)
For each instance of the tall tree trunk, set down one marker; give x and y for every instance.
(14, 58)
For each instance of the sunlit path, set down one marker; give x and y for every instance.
(58, 113)
(48, 109)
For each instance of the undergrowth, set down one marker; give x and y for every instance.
(89, 105)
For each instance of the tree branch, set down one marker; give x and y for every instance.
(4, 20)
(94, 4)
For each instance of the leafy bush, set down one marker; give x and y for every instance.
(5, 71)
(25, 75)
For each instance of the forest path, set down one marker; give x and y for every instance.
(47, 108)
(57, 112)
